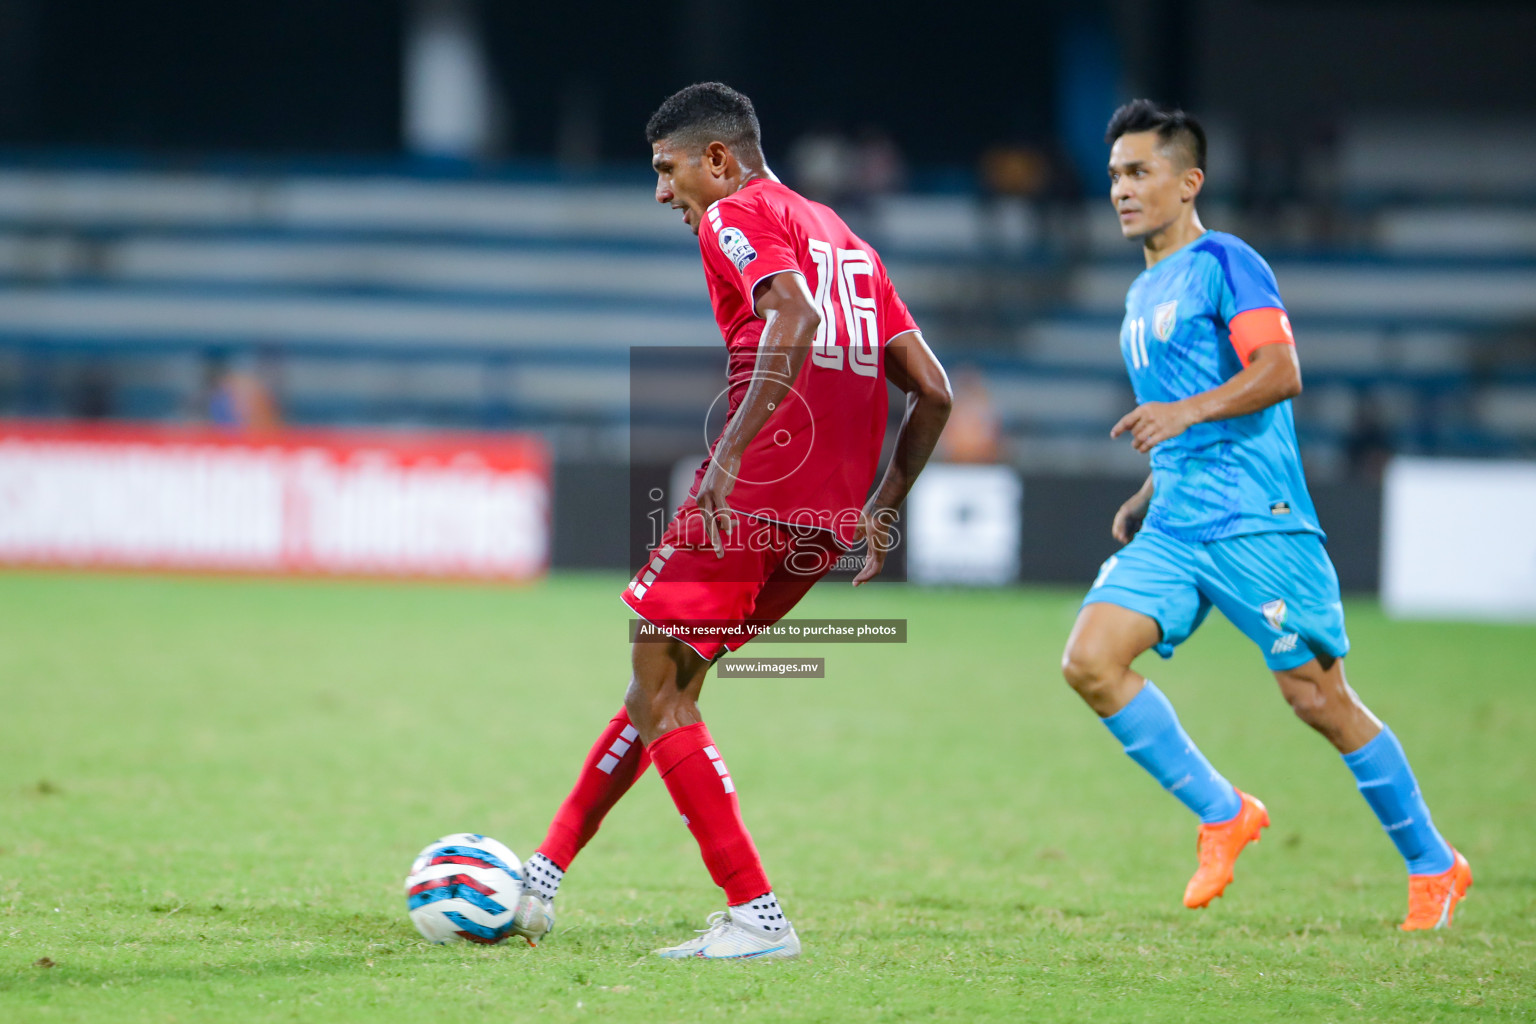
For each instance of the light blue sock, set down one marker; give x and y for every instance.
(1150, 732)
(1387, 783)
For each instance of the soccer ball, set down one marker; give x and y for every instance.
(464, 886)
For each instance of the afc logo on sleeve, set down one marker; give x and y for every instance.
(736, 248)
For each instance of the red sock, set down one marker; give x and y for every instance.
(615, 761)
(704, 794)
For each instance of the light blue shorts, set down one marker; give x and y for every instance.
(1280, 589)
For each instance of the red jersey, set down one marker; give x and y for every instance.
(815, 458)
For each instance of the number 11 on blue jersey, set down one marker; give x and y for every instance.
(1138, 342)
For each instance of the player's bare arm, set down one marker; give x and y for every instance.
(1271, 376)
(792, 319)
(911, 365)
(1130, 515)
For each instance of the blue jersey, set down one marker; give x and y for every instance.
(1230, 477)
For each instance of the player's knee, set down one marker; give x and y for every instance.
(646, 705)
(1309, 702)
(1308, 707)
(657, 705)
(637, 704)
(1086, 670)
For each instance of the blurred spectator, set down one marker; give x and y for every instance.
(238, 400)
(823, 165)
(1013, 178)
(1322, 182)
(878, 166)
(1015, 169)
(974, 432)
(450, 107)
(1018, 175)
(1270, 187)
(1368, 445)
(92, 396)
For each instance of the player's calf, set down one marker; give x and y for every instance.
(1438, 876)
(1321, 697)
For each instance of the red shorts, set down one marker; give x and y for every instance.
(706, 602)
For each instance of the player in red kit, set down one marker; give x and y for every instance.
(813, 330)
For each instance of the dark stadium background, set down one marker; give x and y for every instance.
(1334, 125)
(304, 77)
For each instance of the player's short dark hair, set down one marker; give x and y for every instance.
(706, 112)
(1174, 128)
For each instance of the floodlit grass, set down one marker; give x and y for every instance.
(210, 791)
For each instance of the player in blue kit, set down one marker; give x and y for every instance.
(1225, 520)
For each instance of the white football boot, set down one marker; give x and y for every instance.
(725, 939)
(535, 916)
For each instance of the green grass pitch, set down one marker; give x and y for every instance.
(210, 791)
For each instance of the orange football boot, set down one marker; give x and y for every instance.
(1219, 846)
(1432, 899)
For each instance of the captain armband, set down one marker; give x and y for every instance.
(1255, 328)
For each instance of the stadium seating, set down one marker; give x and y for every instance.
(404, 296)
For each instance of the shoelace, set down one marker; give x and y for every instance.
(716, 922)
